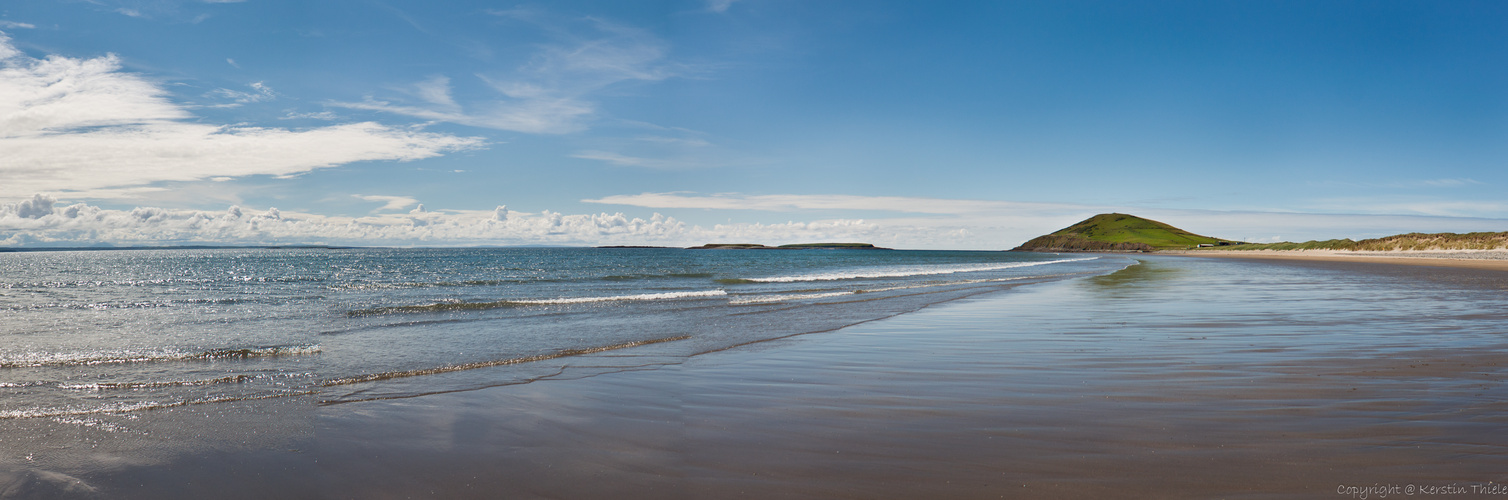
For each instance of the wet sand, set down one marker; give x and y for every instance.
(1177, 378)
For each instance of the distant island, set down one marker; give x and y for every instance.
(632, 246)
(1119, 233)
(794, 246)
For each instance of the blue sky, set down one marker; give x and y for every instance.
(911, 124)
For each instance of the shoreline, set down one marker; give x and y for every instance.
(1120, 385)
(947, 402)
(1494, 260)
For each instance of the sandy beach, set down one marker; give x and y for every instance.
(1273, 382)
(1496, 260)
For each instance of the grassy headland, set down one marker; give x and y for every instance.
(1395, 243)
(1118, 233)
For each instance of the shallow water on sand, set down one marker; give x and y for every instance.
(1174, 378)
(88, 335)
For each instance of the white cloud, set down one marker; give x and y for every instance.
(84, 126)
(389, 202)
(41, 221)
(551, 93)
(7, 51)
(15, 25)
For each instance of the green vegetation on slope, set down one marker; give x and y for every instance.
(1410, 241)
(832, 245)
(793, 246)
(1118, 233)
(726, 246)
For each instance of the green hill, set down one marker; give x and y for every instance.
(1117, 233)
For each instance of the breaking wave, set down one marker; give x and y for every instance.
(471, 306)
(497, 362)
(37, 359)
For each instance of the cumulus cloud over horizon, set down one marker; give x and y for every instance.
(84, 125)
(40, 221)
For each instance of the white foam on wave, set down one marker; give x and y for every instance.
(619, 298)
(38, 359)
(763, 299)
(117, 408)
(901, 272)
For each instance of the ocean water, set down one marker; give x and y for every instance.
(118, 332)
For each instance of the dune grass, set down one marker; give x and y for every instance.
(1400, 242)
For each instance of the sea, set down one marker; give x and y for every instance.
(119, 332)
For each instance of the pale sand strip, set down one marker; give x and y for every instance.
(1496, 260)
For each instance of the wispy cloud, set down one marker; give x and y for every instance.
(259, 92)
(719, 5)
(84, 125)
(799, 202)
(15, 25)
(389, 202)
(319, 115)
(1449, 182)
(625, 160)
(678, 141)
(667, 148)
(1433, 207)
(436, 91)
(1406, 184)
(552, 92)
